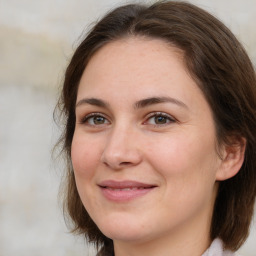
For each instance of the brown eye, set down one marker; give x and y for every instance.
(98, 120)
(160, 119)
(95, 119)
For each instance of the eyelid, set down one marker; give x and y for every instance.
(171, 119)
(93, 114)
(158, 113)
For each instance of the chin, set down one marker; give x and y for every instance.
(126, 235)
(122, 229)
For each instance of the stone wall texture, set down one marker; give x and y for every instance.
(37, 39)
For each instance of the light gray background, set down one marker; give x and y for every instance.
(36, 40)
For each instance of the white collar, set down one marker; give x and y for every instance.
(216, 249)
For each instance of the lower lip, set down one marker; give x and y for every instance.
(124, 195)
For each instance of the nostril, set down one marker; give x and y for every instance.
(125, 163)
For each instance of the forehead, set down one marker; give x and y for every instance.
(142, 45)
(134, 62)
(138, 51)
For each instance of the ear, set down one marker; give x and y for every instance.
(232, 158)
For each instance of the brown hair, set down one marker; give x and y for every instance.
(223, 71)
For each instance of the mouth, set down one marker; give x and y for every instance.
(121, 191)
(125, 189)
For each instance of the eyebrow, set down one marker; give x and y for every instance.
(138, 104)
(92, 101)
(157, 100)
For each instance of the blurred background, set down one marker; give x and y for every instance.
(37, 39)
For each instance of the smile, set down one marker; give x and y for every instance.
(122, 191)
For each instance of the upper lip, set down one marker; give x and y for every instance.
(125, 184)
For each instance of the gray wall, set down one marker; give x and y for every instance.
(36, 40)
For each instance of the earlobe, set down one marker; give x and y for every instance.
(232, 159)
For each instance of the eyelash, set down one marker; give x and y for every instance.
(160, 114)
(92, 116)
(167, 117)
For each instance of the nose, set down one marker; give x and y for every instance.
(121, 149)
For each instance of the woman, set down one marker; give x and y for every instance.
(159, 104)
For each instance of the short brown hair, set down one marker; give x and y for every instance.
(224, 73)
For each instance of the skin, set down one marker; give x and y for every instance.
(171, 144)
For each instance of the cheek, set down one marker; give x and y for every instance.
(185, 157)
(188, 168)
(85, 156)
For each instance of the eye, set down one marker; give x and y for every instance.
(95, 119)
(159, 119)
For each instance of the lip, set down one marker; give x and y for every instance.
(121, 191)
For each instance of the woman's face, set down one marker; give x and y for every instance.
(144, 146)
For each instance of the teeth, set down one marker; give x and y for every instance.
(124, 189)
